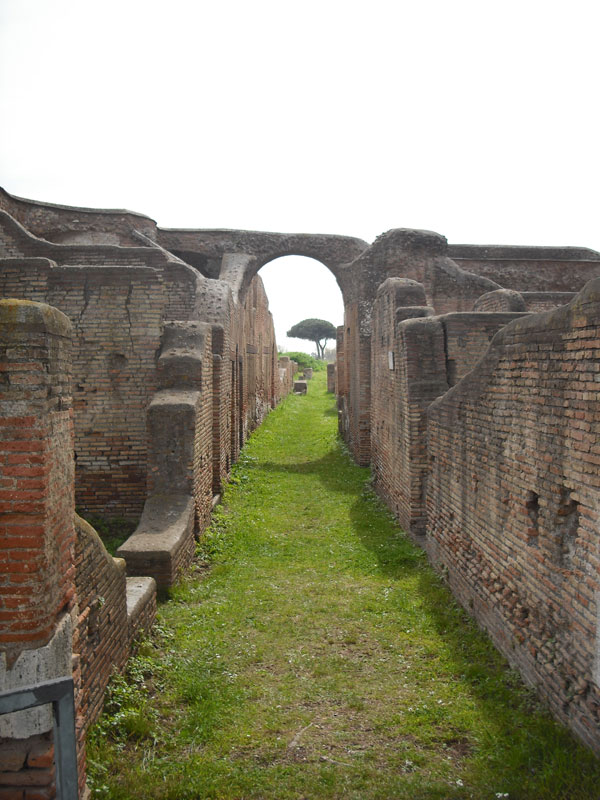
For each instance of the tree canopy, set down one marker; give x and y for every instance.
(315, 330)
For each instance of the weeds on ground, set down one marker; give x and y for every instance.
(320, 657)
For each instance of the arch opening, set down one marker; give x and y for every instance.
(298, 288)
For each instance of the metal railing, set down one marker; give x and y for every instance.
(59, 692)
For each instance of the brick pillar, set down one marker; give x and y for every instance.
(37, 538)
(331, 378)
(36, 463)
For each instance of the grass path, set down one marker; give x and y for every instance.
(319, 657)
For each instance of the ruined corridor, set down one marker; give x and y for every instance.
(136, 361)
(320, 657)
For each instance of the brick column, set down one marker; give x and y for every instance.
(37, 594)
(36, 464)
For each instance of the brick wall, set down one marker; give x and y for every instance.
(356, 417)
(544, 269)
(500, 300)
(16, 241)
(259, 356)
(466, 339)
(36, 468)
(37, 538)
(420, 256)
(409, 371)
(415, 358)
(180, 464)
(203, 440)
(546, 301)
(197, 421)
(103, 637)
(221, 408)
(64, 223)
(511, 300)
(118, 314)
(180, 416)
(63, 605)
(512, 501)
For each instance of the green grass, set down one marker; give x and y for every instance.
(320, 657)
(112, 530)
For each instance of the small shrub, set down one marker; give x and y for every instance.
(305, 361)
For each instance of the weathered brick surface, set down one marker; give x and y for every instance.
(103, 641)
(416, 357)
(546, 301)
(197, 421)
(356, 408)
(36, 473)
(341, 385)
(53, 567)
(221, 408)
(118, 299)
(26, 763)
(543, 269)
(500, 300)
(257, 343)
(180, 417)
(64, 224)
(118, 314)
(37, 537)
(409, 371)
(420, 256)
(467, 337)
(512, 500)
(511, 300)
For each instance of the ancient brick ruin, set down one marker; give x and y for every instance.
(135, 361)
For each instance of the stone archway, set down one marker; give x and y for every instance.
(241, 254)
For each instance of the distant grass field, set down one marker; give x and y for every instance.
(313, 653)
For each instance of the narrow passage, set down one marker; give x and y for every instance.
(320, 657)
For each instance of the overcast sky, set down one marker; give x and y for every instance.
(477, 119)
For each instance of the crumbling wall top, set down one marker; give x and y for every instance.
(75, 225)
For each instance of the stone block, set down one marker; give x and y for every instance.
(180, 361)
(171, 429)
(141, 605)
(163, 542)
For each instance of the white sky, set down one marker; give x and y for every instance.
(474, 118)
